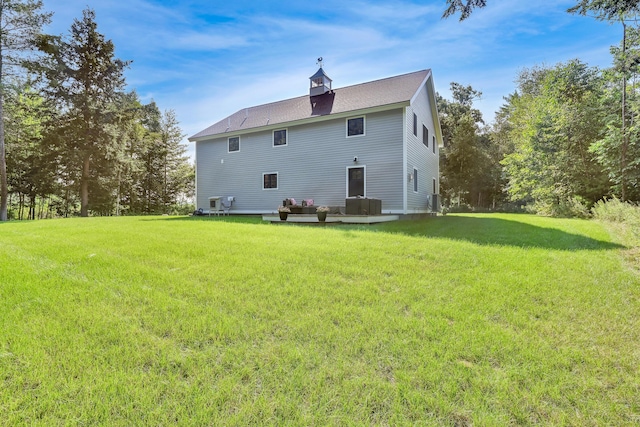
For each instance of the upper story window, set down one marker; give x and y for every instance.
(355, 126)
(415, 124)
(425, 136)
(234, 144)
(279, 137)
(270, 181)
(434, 144)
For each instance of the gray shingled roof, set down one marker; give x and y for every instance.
(377, 93)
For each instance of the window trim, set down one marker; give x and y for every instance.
(364, 126)
(286, 137)
(414, 178)
(415, 124)
(229, 142)
(425, 136)
(434, 144)
(277, 174)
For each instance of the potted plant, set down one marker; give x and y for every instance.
(322, 212)
(284, 212)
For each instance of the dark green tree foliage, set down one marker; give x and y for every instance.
(20, 23)
(464, 7)
(608, 10)
(555, 118)
(619, 150)
(470, 172)
(86, 81)
(30, 162)
(154, 173)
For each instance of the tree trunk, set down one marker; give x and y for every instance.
(84, 188)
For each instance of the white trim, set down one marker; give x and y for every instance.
(414, 124)
(424, 82)
(195, 165)
(404, 160)
(277, 180)
(304, 121)
(239, 144)
(424, 127)
(364, 126)
(364, 167)
(273, 137)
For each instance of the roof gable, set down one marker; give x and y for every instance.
(378, 93)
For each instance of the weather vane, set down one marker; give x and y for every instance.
(319, 62)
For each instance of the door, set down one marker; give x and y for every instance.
(356, 182)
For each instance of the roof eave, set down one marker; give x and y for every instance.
(307, 120)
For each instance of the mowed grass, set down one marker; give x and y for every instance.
(458, 320)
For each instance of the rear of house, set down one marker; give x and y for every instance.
(376, 140)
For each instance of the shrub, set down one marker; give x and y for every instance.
(615, 210)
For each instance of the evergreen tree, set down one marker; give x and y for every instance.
(86, 81)
(20, 23)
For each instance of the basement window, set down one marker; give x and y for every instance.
(270, 181)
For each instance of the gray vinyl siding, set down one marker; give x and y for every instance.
(313, 164)
(419, 156)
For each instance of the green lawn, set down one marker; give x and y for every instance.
(458, 320)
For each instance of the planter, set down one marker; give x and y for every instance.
(283, 216)
(322, 216)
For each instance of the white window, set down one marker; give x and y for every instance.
(355, 126)
(279, 137)
(270, 181)
(425, 136)
(234, 144)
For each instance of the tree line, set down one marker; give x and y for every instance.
(567, 137)
(73, 140)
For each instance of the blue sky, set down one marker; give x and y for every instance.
(206, 59)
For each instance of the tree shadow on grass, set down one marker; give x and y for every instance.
(243, 219)
(497, 231)
(479, 230)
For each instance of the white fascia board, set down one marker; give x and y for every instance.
(405, 156)
(431, 91)
(315, 119)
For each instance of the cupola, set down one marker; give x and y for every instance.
(320, 82)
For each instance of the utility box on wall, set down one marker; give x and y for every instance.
(363, 206)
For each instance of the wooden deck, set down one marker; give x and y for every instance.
(331, 219)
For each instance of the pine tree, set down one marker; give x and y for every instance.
(20, 23)
(86, 81)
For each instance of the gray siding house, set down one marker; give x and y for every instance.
(378, 140)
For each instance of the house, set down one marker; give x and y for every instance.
(377, 140)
